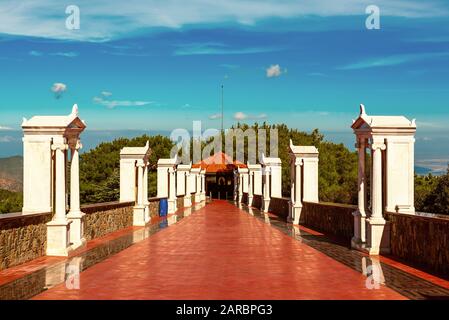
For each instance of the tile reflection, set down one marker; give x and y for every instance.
(376, 272)
(46, 278)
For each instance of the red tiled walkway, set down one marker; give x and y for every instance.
(220, 252)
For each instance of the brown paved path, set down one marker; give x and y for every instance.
(220, 252)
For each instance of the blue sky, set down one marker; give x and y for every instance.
(158, 65)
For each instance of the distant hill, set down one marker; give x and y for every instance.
(11, 173)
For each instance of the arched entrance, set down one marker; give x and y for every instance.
(219, 175)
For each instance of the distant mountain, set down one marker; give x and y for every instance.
(11, 173)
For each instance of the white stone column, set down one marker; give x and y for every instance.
(203, 185)
(171, 191)
(240, 187)
(198, 187)
(145, 193)
(297, 205)
(376, 222)
(75, 215)
(360, 214)
(266, 190)
(139, 208)
(58, 230)
(188, 195)
(250, 188)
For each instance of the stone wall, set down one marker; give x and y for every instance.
(104, 218)
(180, 202)
(22, 237)
(245, 198)
(257, 201)
(423, 241)
(279, 206)
(331, 218)
(154, 206)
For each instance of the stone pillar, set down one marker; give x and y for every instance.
(266, 190)
(171, 191)
(240, 188)
(250, 188)
(203, 185)
(188, 195)
(162, 182)
(75, 215)
(58, 230)
(139, 208)
(146, 203)
(198, 186)
(376, 222)
(297, 204)
(360, 214)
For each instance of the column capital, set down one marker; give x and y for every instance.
(59, 146)
(378, 145)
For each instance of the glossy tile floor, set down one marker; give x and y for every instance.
(221, 251)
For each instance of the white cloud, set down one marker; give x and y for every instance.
(208, 48)
(58, 87)
(215, 116)
(274, 71)
(66, 54)
(69, 54)
(107, 19)
(239, 116)
(6, 139)
(111, 104)
(5, 128)
(35, 53)
(393, 60)
(106, 93)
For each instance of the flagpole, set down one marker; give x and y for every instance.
(222, 106)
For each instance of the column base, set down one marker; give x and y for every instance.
(296, 215)
(171, 205)
(266, 205)
(203, 197)
(139, 216)
(197, 197)
(359, 227)
(240, 198)
(187, 201)
(377, 237)
(58, 238)
(77, 229)
(250, 201)
(147, 213)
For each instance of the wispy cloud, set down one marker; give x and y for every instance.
(393, 60)
(7, 139)
(215, 116)
(111, 104)
(69, 54)
(104, 20)
(5, 128)
(209, 48)
(229, 66)
(243, 116)
(35, 53)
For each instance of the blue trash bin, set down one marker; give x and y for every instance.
(163, 208)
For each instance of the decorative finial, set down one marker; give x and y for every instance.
(147, 144)
(291, 143)
(362, 109)
(75, 110)
(24, 120)
(353, 121)
(413, 123)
